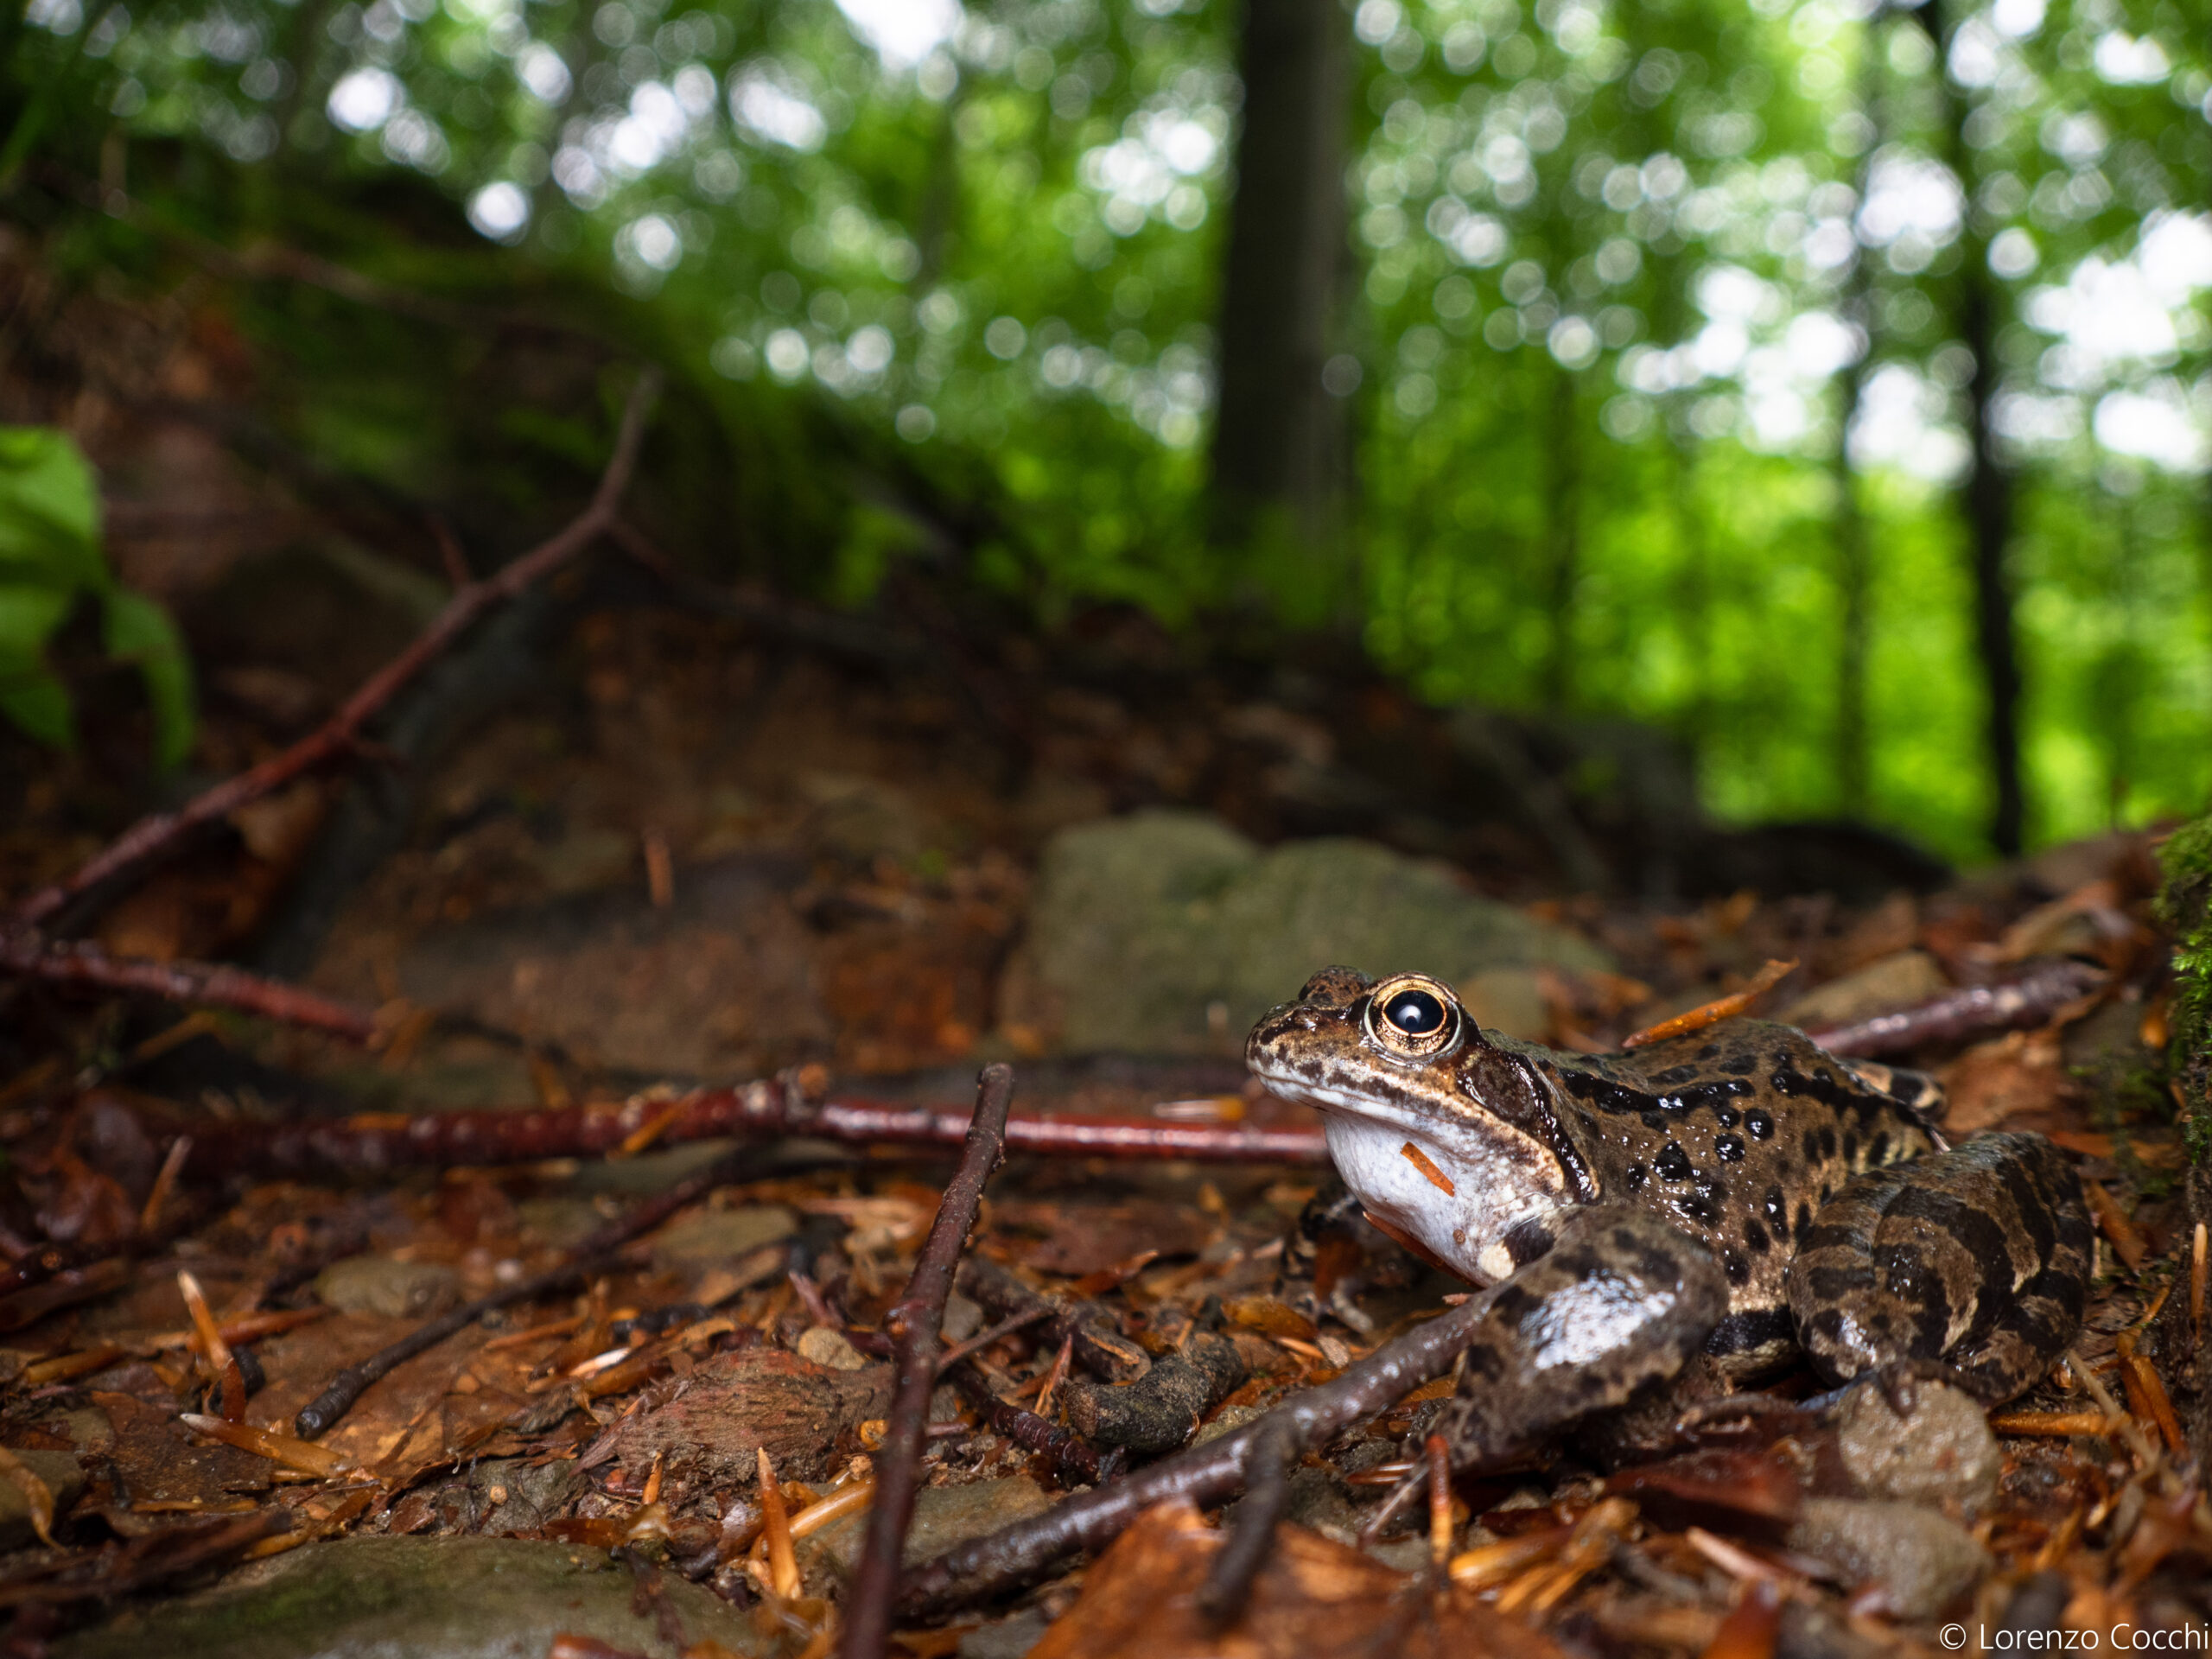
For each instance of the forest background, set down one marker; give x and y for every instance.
(1826, 383)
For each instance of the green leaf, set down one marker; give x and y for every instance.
(139, 631)
(29, 615)
(36, 704)
(49, 511)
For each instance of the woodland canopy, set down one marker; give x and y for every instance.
(1823, 382)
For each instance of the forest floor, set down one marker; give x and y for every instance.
(692, 847)
(691, 855)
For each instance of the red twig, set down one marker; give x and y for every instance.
(152, 837)
(913, 1325)
(1969, 1012)
(444, 1140)
(199, 984)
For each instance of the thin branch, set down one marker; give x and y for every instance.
(1267, 1500)
(1074, 1458)
(913, 1324)
(1969, 1012)
(593, 1255)
(153, 837)
(24, 954)
(782, 1106)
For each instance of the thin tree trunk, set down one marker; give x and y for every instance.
(1280, 437)
(1854, 560)
(1989, 487)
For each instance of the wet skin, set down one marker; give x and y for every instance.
(1841, 1225)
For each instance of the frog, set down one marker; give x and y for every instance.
(1845, 1227)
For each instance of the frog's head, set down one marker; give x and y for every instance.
(1447, 1133)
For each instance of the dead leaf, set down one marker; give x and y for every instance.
(1312, 1596)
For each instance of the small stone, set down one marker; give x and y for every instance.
(1227, 1421)
(827, 1347)
(1943, 1452)
(1923, 1560)
(721, 1235)
(63, 1478)
(387, 1288)
(943, 1516)
(963, 1319)
(1893, 981)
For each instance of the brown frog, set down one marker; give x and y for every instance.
(1841, 1224)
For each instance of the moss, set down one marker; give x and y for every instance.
(2186, 908)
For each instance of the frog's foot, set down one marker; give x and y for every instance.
(1327, 1256)
(1977, 1258)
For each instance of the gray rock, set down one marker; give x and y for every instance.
(1923, 1560)
(1944, 1450)
(388, 1289)
(63, 1478)
(943, 1516)
(414, 1598)
(721, 1236)
(1168, 931)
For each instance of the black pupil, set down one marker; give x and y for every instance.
(1415, 1013)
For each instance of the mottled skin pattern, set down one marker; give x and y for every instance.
(1816, 1184)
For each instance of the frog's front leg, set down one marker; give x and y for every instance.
(1332, 1253)
(1620, 1302)
(1979, 1257)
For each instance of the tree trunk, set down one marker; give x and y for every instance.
(1989, 488)
(1280, 437)
(1854, 560)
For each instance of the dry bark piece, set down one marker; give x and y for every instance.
(1311, 1596)
(157, 1464)
(1161, 1409)
(733, 1405)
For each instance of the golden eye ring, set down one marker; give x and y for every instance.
(1413, 1017)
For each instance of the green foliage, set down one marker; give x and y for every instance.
(1614, 271)
(2185, 906)
(50, 560)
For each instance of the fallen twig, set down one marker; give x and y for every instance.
(791, 1104)
(1969, 1012)
(1267, 1500)
(1075, 1457)
(913, 1324)
(25, 954)
(1100, 1347)
(592, 1255)
(155, 835)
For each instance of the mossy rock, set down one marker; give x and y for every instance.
(1169, 932)
(425, 1597)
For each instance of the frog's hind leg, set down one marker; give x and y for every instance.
(1979, 1257)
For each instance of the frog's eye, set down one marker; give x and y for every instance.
(1414, 1018)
